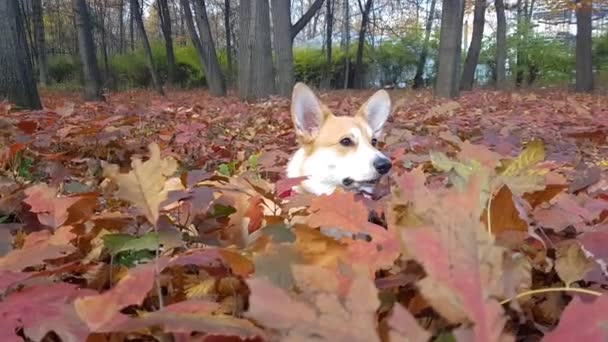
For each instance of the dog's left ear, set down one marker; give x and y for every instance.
(376, 110)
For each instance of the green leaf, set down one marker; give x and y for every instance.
(220, 210)
(223, 169)
(116, 243)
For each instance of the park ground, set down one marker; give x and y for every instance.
(205, 213)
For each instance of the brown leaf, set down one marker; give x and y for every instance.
(571, 264)
(102, 312)
(144, 185)
(503, 214)
(38, 247)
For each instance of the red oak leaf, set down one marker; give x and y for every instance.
(582, 321)
(40, 309)
(38, 247)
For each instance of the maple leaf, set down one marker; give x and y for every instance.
(144, 185)
(54, 211)
(101, 312)
(582, 320)
(404, 326)
(212, 325)
(38, 247)
(461, 261)
(343, 211)
(567, 210)
(40, 309)
(320, 312)
(519, 174)
(593, 244)
(480, 153)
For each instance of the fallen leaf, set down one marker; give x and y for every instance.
(144, 185)
(582, 320)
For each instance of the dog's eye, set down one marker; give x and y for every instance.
(346, 142)
(374, 141)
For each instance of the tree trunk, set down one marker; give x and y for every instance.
(121, 27)
(147, 50)
(470, 63)
(284, 33)
(418, 79)
(86, 49)
(450, 39)
(255, 74)
(40, 42)
(17, 82)
(346, 41)
(501, 45)
(132, 29)
(104, 44)
(228, 38)
(329, 27)
(519, 72)
(165, 24)
(359, 73)
(283, 50)
(213, 72)
(584, 60)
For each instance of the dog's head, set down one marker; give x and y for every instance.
(340, 151)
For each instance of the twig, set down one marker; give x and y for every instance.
(552, 289)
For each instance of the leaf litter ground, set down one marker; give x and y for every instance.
(148, 218)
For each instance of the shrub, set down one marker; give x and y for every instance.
(62, 69)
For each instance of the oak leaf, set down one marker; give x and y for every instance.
(38, 247)
(582, 321)
(40, 309)
(144, 185)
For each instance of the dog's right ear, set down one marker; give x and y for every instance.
(306, 112)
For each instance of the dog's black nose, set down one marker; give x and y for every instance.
(382, 165)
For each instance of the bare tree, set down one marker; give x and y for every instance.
(418, 80)
(227, 29)
(216, 84)
(86, 49)
(121, 26)
(40, 42)
(470, 63)
(165, 24)
(17, 82)
(346, 41)
(450, 40)
(501, 44)
(255, 73)
(359, 73)
(584, 60)
(284, 33)
(213, 72)
(329, 27)
(147, 49)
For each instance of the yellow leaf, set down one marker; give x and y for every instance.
(144, 186)
(201, 290)
(531, 155)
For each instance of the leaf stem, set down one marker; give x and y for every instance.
(489, 211)
(552, 289)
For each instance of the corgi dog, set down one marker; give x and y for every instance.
(337, 151)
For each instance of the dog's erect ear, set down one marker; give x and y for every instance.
(306, 112)
(376, 110)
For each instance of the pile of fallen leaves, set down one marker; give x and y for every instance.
(157, 219)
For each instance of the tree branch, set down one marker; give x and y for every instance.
(299, 25)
